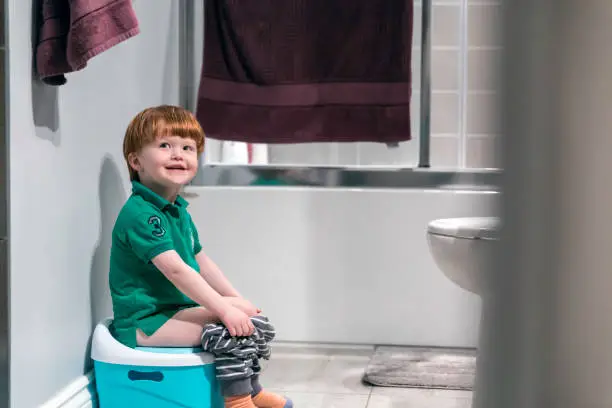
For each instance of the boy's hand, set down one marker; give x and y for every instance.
(244, 305)
(236, 321)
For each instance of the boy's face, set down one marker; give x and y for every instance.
(170, 161)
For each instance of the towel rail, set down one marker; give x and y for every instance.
(188, 86)
(425, 106)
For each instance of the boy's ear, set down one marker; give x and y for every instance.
(134, 161)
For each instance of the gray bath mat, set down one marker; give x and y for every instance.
(414, 367)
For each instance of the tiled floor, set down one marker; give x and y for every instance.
(330, 377)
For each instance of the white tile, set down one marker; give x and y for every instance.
(483, 151)
(337, 374)
(416, 26)
(329, 376)
(320, 400)
(303, 154)
(378, 154)
(445, 113)
(483, 113)
(294, 374)
(444, 151)
(484, 23)
(444, 70)
(325, 370)
(445, 25)
(484, 68)
(382, 397)
(343, 375)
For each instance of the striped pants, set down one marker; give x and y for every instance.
(237, 358)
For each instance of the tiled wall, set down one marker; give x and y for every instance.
(482, 53)
(465, 52)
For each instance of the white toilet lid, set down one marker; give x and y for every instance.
(466, 227)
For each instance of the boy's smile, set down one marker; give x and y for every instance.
(166, 164)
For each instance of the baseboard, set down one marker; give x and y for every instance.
(81, 393)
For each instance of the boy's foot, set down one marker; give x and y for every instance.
(265, 399)
(239, 401)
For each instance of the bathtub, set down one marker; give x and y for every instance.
(347, 264)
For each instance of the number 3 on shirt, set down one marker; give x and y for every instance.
(158, 230)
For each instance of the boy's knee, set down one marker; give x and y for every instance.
(264, 327)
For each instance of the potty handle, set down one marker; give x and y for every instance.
(156, 376)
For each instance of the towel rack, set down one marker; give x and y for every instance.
(187, 71)
(186, 54)
(425, 106)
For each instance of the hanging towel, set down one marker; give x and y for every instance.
(71, 32)
(298, 71)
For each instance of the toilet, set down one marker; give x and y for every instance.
(462, 249)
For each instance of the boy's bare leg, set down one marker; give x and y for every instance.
(184, 329)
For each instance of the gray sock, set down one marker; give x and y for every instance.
(236, 387)
(255, 385)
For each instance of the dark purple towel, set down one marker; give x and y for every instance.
(296, 71)
(71, 32)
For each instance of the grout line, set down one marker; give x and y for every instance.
(369, 397)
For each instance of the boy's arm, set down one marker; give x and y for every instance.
(145, 232)
(209, 270)
(187, 280)
(214, 276)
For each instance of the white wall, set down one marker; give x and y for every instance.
(67, 183)
(342, 265)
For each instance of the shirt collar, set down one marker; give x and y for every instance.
(154, 198)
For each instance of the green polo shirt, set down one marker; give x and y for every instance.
(142, 296)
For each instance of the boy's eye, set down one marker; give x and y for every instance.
(164, 145)
(189, 148)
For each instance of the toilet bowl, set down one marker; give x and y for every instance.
(462, 249)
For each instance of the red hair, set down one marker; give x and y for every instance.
(159, 121)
